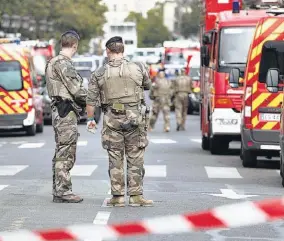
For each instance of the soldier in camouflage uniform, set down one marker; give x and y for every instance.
(118, 87)
(161, 93)
(68, 96)
(182, 87)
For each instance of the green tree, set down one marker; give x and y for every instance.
(151, 30)
(86, 16)
(190, 22)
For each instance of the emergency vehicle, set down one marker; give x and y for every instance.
(20, 101)
(226, 35)
(261, 108)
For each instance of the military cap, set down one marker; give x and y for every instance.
(73, 32)
(116, 39)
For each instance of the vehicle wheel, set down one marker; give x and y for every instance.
(281, 166)
(249, 158)
(190, 108)
(98, 114)
(218, 145)
(205, 143)
(39, 128)
(241, 153)
(31, 130)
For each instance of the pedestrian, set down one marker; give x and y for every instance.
(161, 93)
(182, 87)
(65, 88)
(118, 87)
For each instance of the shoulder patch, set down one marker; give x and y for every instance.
(100, 71)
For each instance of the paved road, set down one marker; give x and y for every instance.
(179, 177)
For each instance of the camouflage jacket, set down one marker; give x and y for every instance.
(62, 80)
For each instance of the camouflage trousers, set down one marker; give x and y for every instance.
(181, 106)
(157, 105)
(121, 143)
(66, 136)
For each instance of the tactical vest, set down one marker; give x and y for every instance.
(121, 85)
(183, 84)
(163, 87)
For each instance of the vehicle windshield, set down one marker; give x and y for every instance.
(10, 75)
(272, 56)
(86, 73)
(83, 64)
(194, 72)
(175, 58)
(234, 45)
(40, 63)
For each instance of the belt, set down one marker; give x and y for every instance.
(118, 108)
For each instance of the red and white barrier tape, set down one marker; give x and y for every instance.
(227, 216)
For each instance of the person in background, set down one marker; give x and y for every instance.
(161, 93)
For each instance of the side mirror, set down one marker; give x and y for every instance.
(272, 80)
(234, 78)
(206, 38)
(205, 59)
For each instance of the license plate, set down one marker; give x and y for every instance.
(269, 117)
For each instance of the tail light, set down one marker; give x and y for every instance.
(247, 107)
(223, 103)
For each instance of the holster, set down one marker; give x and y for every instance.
(63, 107)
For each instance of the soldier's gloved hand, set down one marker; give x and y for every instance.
(91, 125)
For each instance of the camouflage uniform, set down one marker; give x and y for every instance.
(63, 81)
(182, 87)
(118, 87)
(161, 93)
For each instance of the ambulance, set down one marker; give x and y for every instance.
(21, 105)
(261, 107)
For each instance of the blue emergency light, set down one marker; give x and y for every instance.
(10, 41)
(236, 6)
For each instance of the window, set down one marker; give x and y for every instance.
(128, 42)
(85, 73)
(234, 45)
(125, 7)
(194, 72)
(175, 58)
(83, 64)
(272, 57)
(10, 75)
(151, 53)
(39, 62)
(139, 53)
(114, 7)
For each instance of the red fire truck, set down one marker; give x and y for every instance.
(226, 34)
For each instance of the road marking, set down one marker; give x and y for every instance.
(3, 187)
(31, 145)
(162, 141)
(82, 143)
(155, 170)
(230, 194)
(278, 171)
(109, 192)
(83, 170)
(11, 170)
(102, 218)
(196, 140)
(18, 142)
(222, 172)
